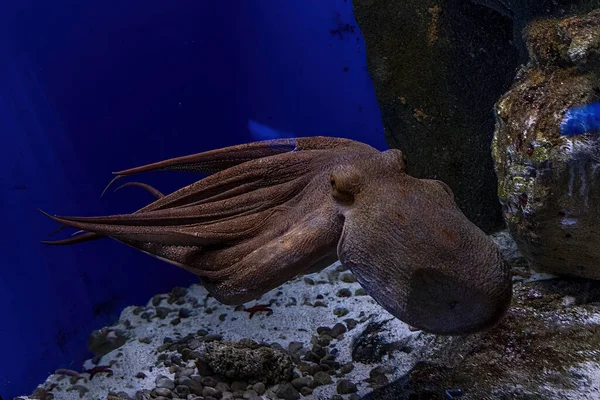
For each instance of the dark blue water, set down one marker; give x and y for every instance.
(89, 87)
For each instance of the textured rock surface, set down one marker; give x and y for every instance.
(438, 68)
(549, 185)
(243, 360)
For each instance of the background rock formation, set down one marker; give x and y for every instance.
(438, 68)
(549, 184)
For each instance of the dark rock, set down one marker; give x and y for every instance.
(348, 278)
(185, 313)
(337, 330)
(547, 182)
(194, 385)
(304, 381)
(322, 378)
(162, 381)
(259, 388)
(140, 375)
(211, 392)
(243, 361)
(209, 381)
(238, 386)
(344, 292)
(351, 323)
(162, 312)
(105, 340)
(182, 391)
(287, 392)
(162, 391)
(423, 57)
(340, 312)
(345, 386)
(360, 292)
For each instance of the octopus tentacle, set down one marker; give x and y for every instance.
(210, 162)
(153, 191)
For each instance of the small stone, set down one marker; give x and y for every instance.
(223, 387)
(337, 330)
(340, 312)
(348, 278)
(309, 281)
(337, 397)
(248, 394)
(346, 368)
(209, 381)
(345, 386)
(163, 392)
(176, 321)
(304, 381)
(306, 391)
(157, 299)
(319, 303)
(145, 340)
(351, 323)
(360, 292)
(162, 381)
(259, 388)
(213, 337)
(211, 392)
(324, 340)
(227, 396)
(345, 292)
(140, 375)
(202, 332)
(184, 313)
(287, 392)
(186, 372)
(295, 347)
(322, 378)
(162, 312)
(182, 391)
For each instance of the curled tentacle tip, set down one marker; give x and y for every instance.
(110, 183)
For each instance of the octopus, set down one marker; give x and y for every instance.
(272, 210)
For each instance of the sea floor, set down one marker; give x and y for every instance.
(321, 337)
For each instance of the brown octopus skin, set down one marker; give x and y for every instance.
(269, 211)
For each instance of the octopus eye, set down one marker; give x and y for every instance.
(332, 181)
(344, 185)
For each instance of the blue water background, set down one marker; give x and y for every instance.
(89, 87)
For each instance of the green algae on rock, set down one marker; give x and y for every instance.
(548, 184)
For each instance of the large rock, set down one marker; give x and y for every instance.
(438, 67)
(549, 185)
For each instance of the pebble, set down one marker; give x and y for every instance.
(211, 392)
(322, 378)
(305, 381)
(348, 278)
(162, 381)
(345, 386)
(360, 292)
(210, 381)
(161, 391)
(337, 330)
(345, 292)
(238, 386)
(248, 394)
(184, 313)
(287, 392)
(340, 312)
(259, 388)
(351, 323)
